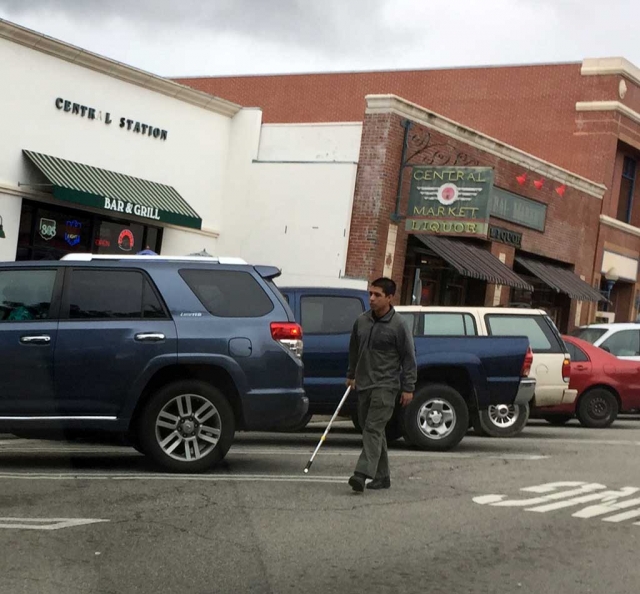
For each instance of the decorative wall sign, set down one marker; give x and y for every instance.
(450, 200)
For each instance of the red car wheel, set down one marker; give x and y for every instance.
(597, 408)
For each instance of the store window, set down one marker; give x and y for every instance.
(50, 232)
(117, 238)
(627, 187)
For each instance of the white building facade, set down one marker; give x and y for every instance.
(98, 156)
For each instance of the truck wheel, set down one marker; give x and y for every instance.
(597, 408)
(436, 419)
(501, 420)
(187, 426)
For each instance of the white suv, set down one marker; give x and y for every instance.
(551, 362)
(621, 340)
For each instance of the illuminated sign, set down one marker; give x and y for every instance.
(126, 240)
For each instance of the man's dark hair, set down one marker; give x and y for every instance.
(386, 284)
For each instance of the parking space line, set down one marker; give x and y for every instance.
(172, 477)
(46, 523)
(392, 454)
(283, 451)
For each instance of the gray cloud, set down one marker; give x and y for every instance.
(190, 37)
(327, 25)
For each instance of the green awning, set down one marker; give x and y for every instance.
(115, 193)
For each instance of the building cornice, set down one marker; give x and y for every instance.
(611, 66)
(616, 224)
(609, 106)
(434, 121)
(75, 55)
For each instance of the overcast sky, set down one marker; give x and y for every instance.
(213, 37)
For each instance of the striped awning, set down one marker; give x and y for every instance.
(473, 262)
(562, 280)
(119, 194)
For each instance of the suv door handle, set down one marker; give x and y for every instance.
(150, 337)
(44, 339)
(581, 367)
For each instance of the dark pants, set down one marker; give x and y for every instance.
(375, 409)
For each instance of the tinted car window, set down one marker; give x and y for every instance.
(589, 334)
(25, 294)
(228, 293)
(625, 343)
(541, 337)
(577, 354)
(329, 315)
(449, 324)
(152, 307)
(111, 294)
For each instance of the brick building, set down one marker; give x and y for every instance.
(580, 120)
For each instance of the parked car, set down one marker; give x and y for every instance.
(606, 386)
(458, 375)
(175, 353)
(551, 361)
(619, 339)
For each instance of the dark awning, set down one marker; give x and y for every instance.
(473, 261)
(562, 280)
(115, 192)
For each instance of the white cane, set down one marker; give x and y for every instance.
(326, 431)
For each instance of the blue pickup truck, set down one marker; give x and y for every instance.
(457, 376)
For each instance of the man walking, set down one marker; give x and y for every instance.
(382, 363)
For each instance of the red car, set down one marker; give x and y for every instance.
(606, 386)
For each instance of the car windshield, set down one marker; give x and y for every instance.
(589, 334)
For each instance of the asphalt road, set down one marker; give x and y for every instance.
(80, 518)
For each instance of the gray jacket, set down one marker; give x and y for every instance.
(382, 353)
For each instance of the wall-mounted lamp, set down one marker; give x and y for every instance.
(611, 277)
(2, 235)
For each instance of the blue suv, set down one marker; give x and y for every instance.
(176, 354)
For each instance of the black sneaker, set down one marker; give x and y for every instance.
(356, 482)
(380, 483)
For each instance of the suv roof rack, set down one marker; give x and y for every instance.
(212, 260)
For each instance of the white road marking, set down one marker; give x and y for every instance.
(171, 477)
(46, 523)
(609, 501)
(602, 496)
(251, 451)
(607, 508)
(590, 441)
(499, 500)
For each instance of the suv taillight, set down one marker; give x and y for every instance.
(566, 369)
(527, 363)
(289, 335)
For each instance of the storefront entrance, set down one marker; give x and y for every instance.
(430, 280)
(48, 232)
(557, 305)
